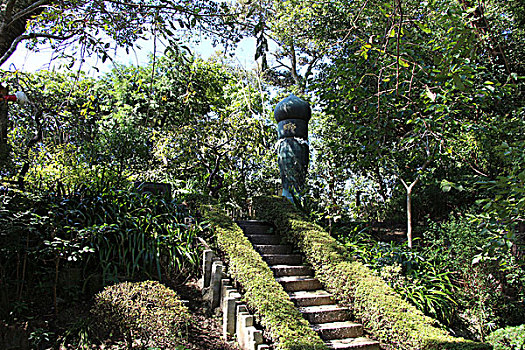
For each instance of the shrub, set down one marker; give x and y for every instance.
(393, 321)
(489, 273)
(424, 281)
(134, 236)
(509, 338)
(262, 293)
(145, 312)
(121, 235)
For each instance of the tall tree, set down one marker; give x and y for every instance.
(95, 27)
(412, 84)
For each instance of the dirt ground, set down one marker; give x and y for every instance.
(205, 332)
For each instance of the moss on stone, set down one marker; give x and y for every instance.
(262, 293)
(390, 319)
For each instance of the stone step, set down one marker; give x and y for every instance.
(255, 227)
(311, 298)
(297, 283)
(252, 222)
(282, 259)
(353, 343)
(338, 330)
(291, 270)
(264, 239)
(273, 248)
(325, 313)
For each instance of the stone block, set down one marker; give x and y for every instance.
(207, 259)
(225, 289)
(215, 283)
(244, 321)
(155, 188)
(228, 314)
(254, 338)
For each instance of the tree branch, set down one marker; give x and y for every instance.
(398, 39)
(15, 42)
(171, 6)
(26, 12)
(293, 59)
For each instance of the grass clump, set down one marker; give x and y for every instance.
(390, 319)
(147, 313)
(262, 293)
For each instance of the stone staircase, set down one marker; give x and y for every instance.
(329, 320)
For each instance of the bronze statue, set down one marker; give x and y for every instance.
(292, 115)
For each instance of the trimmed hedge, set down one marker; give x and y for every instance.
(147, 312)
(390, 319)
(262, 293)
(508, 338)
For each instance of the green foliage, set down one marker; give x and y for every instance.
(111, 236)
(407, 91)
(39, 337)
(488, 272)
(263, 294)
(502, 211)
(200, 125)
(462, 275)
(423, 282)
(396, 323)
(64, 171)
(144, 312)
(134, 235)
(509, 338)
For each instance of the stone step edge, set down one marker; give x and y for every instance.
(322, 308)
(311, 298)
(335, 325)
(295, 278)
(353, 343)
(281, 254)
(338, 330)
(310, 294)
(256, 246)
(252, 222)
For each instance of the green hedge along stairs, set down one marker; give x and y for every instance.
(332, 322)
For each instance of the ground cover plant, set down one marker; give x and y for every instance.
(64, 249)
(455, 274)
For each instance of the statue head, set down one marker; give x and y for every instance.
(292, 107)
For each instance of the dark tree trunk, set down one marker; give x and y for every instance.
(4, 147)
(14, 15)
(9, 34)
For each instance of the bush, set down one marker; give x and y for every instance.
(135, 236)
(107, 237)
(509, 338)
(144, 312)
(393, 321)
(424, 281)
(488, 273)
(262, 293)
